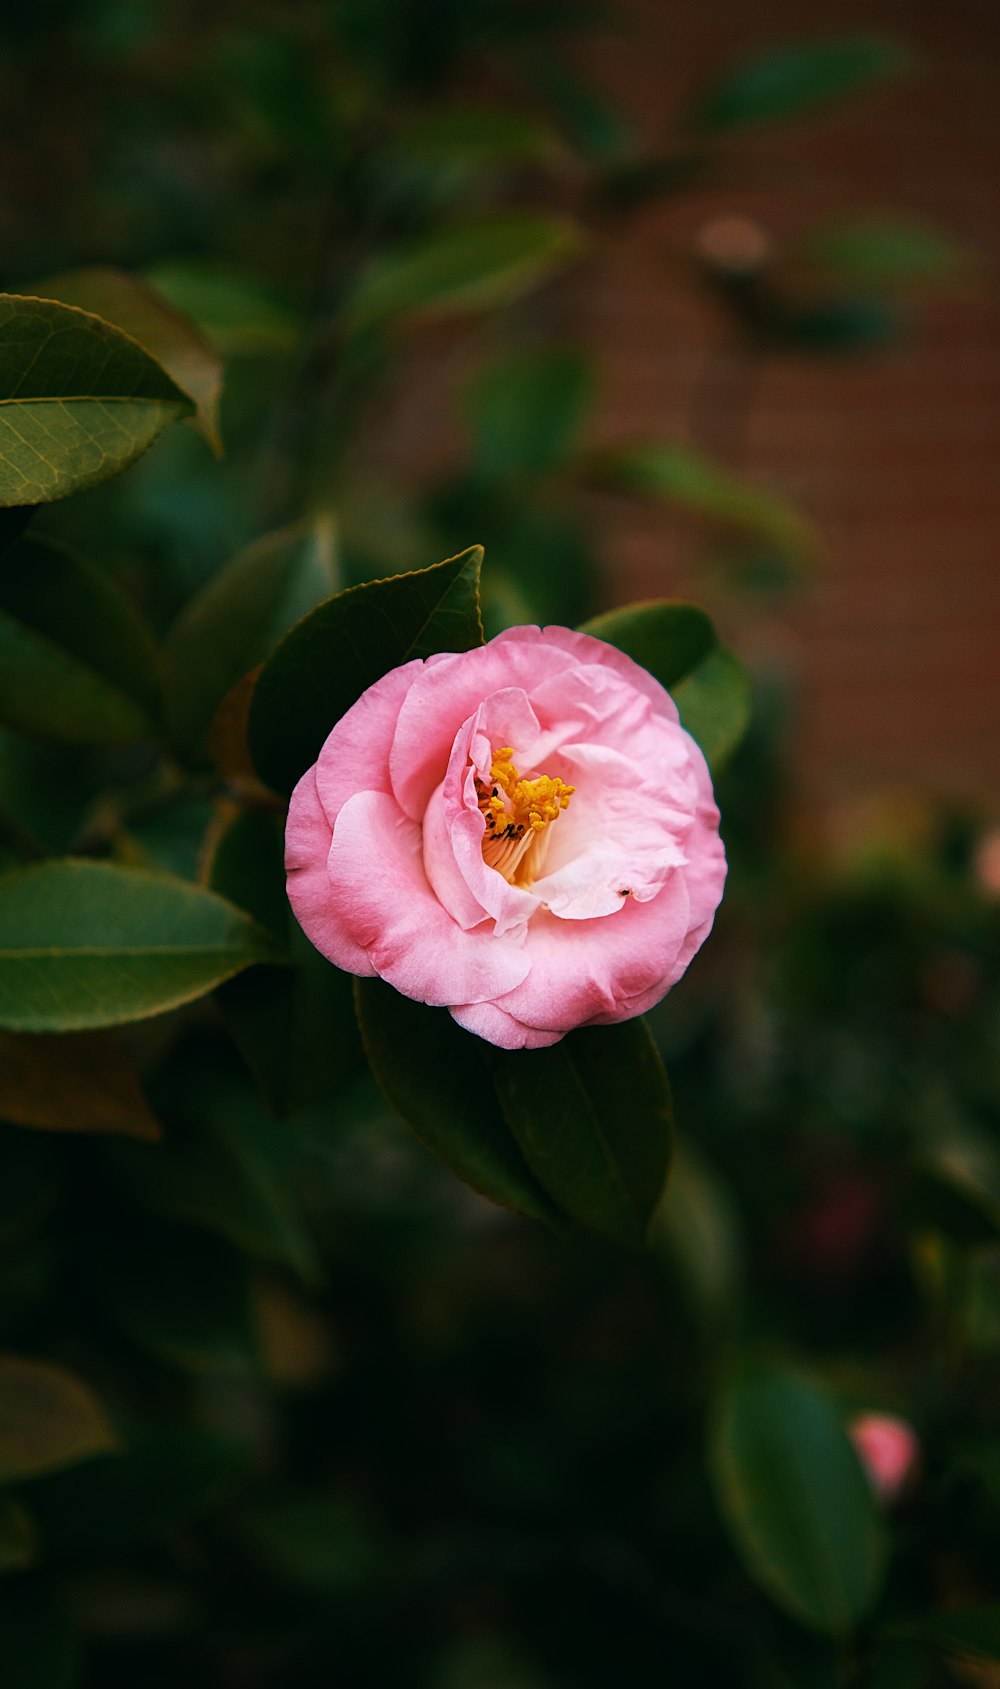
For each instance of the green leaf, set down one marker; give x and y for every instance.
(167, 1473)
(678, 645)
(175, 343)
(792, 81)
(690, 482)
(18, 1537)
(594, 1119)
(880, 250)
(697, 1227)
(526, 410)
(322, 667)
(482, 135)
(38, 1650)
(48, 1419)
(294, 1025)
(468, 267)
(182, 1296)
(234, 623)
(79, 400)
(77, 663)
(235, 313)
(715, 705)
(970, 1632)
(72, 1082)
(88, 944)
(436, 1078)
(797, 1505)
(223, 1166)
(316, 1542)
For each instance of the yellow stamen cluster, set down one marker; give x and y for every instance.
(517, 813)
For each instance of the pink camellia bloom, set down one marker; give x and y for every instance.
(522, 833)
(888, 1449)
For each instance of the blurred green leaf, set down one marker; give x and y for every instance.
(175, 343)
(322, 667)
(788, 82)
(236, 314)
(38, 1650)
(594, 1119)
(165, 1474)
(797, 1505)
(18, 1536)
(237, 619)
(968, 1632)
(79, 400)
(72, 1082)
(880, 250)
(46, 793)
(48, 1419)
(526, 410)
(294, 1025)
(470, 267)
(479, 134)
(88, 944)
(181, 1295)
(688, 481)
(677, 643)
(696, 1225)
(316, 1542)
(436, 1078)
(222, 1166)
(77, 663)
(715, 706)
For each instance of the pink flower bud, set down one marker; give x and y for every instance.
(888, 1449)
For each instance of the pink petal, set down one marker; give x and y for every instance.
(308, 836)
(382, 899)
(355, 757)
(488, 1021)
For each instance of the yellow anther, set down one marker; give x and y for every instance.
(517, 812)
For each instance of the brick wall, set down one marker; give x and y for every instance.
(894, 457)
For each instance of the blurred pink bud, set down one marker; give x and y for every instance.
(888, 1449)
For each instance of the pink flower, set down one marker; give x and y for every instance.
(523, 833)
(888, 1449)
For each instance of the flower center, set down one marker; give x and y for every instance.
(519, 815)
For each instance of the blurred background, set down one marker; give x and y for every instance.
(650, 301)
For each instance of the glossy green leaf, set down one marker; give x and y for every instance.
(794, 1498)
(594, 1119)
(788, 82)
(77, 663)
(669, 638)
(689, 482)
(467, 267)
(79, 400)
(715, 705)
(322, 667)
(18, 1536)
(72, 1082)
(526, 410)
(88, 944)
(678, 645)
(968, 1632)
(48, 1419)
(238, 618)
(437, 1079)
(172, 339)
(294, 1025)
(237, 315)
